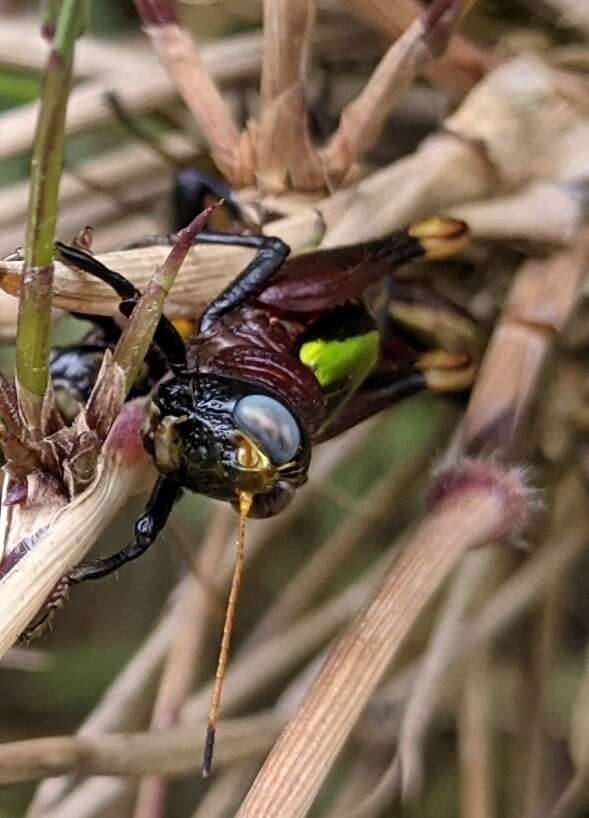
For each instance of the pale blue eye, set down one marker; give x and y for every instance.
(269, 424)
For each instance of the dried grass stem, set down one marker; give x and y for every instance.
(300, 760)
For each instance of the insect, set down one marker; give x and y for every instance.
(287, 356)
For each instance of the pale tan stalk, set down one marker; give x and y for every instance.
(123, 701)
(475, 739)
(194, 83)
(166, 752)
(22, 46)
(382, 796)
(575, 798)
(178, 672)
(285, 650)
(362, 775)
(124, 168)
(544, 212)
(28, 659)
(523, 122)
(457, 71)
(430, 681)
(362, 120)
(283, 152)
(515, 596)
(537, 309)
(444, 170)
(96, 798)
(300, 760)
(143, 87)
(287, 28)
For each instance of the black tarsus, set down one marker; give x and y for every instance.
(157, 510)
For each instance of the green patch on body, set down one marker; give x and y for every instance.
(336, 360)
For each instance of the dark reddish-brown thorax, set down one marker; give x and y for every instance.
(260, 341)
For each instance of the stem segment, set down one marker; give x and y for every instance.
(34, 318)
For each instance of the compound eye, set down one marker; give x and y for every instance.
(269, 424)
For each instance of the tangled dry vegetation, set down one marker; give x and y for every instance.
(395, 657)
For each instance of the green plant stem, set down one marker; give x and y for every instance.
(138, 334)
(50, 11)
(34, 318)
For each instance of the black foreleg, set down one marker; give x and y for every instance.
(270, 255)
(147, 527)
(167, 338)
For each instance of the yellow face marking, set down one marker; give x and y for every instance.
(250, 457)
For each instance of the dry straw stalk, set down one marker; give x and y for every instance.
(132, 754)
(464, 518)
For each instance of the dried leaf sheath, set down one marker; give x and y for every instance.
(122, 471)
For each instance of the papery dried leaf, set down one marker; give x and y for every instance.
(21, 457)
(285, 156)
(59, 535)
(107, 397)
(532, 120)
(54, 448)
(51, 419)
(20, 525)
(79, 469)
(9, 413)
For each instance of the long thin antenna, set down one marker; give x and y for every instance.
(245, 503)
